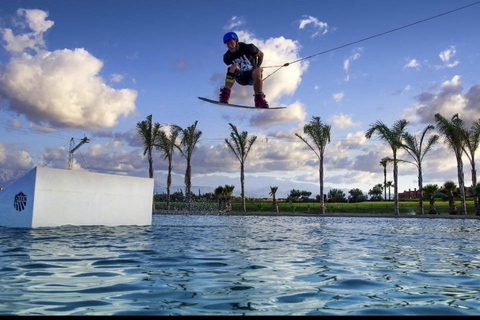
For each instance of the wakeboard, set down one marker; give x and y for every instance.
(237, 105)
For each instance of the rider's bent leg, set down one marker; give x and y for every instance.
(229, 82)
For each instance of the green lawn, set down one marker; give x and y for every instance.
(406, 207)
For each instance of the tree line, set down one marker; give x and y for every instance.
(457, 137)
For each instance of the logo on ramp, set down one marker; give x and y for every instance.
(20, 201)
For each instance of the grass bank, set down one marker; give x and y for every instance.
(380, 207)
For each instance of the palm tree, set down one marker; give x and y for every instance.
(166, 144)
(273, 191)
(240, 144)
(148, 132)
(320, 134)
(454, 135)
(189, 138)
(393, 137)
(417, 151)
(389, 185)
(224, 196)
(384, 163)
(449, 188)
(472, 141)
(430, 190)
(376, 192)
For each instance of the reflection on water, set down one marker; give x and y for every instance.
(232, 265)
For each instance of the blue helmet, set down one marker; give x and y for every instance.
(229, 36)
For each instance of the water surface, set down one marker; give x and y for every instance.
(234, 265)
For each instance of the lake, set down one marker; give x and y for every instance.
(234, 265)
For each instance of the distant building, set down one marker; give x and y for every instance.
(409, 194)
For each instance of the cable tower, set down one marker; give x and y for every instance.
(73, 148)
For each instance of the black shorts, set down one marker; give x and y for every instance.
(244, 78)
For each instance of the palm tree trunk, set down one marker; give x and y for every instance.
(150, 174)
(169, 182)
(432, 210)
(385, 182)
(461, 186)
(420, 189)
(188, 184)
(474, 183)
(451, 203)
(275, 204)
(322, 201)
(150, 163)
(395, 186)
(242, 180)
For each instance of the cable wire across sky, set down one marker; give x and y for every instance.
(369, 38)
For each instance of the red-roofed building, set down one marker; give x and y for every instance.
(409, 194)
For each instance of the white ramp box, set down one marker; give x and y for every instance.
(47, 197)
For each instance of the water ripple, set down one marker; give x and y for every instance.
(226, 265)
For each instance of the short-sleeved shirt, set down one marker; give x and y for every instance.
(245, 57)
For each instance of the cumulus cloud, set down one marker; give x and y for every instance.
(14, 159)
(448, 101)
(315, 26)
(294, 112)
(36, 21)
(343, 121)
(60, 88)
(369, 161)
(277, 152)
(13, 164)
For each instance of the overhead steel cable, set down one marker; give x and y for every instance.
(368, 38)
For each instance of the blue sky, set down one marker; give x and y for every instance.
(96, 68)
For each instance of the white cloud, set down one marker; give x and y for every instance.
(447, 55)
(455, 82)
(316, 26)
(14, 159)
(369, 161)
(448, 101)
(412, 63)
(356, 54)
(36, 20)
(294, 112)
(116, 78)
(3, 153)
(343, 121)
(338, 96)
(234, 22)
(60, 88)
